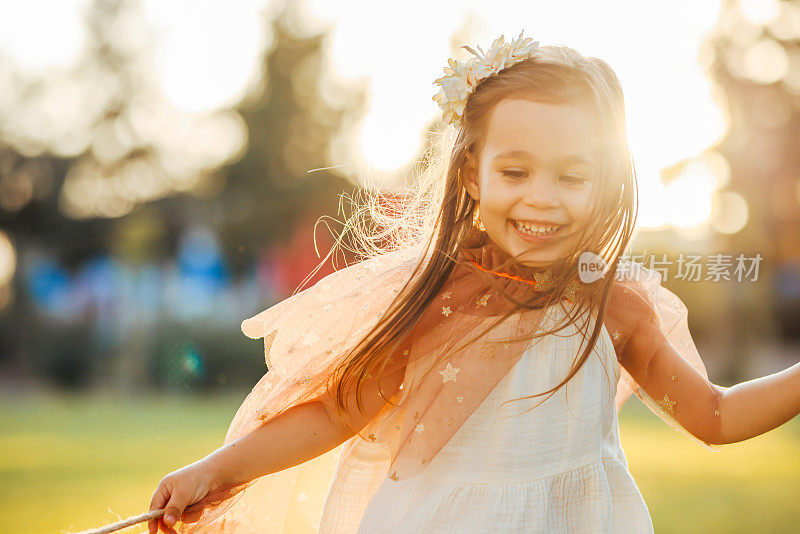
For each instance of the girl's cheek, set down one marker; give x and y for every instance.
(579, 203)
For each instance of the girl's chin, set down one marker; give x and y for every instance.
(535, 255)
(536, 261)
(530, 256)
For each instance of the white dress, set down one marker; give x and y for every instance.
(557, 468)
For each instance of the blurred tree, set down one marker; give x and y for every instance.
(94, 161)
(754, 56)
(291, 126)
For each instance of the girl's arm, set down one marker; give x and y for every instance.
(759, 405)
(714, 414)
(299, 434)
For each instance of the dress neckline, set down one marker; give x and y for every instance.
(483, 253)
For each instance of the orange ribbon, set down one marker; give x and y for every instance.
(506, 275)
(511, 276)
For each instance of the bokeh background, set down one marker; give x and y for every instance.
(170, 168)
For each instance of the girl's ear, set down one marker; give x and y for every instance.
(469, 176)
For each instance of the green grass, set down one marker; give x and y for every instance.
(750, 486)
(69, 463)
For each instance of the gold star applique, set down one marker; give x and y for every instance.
(674, 377)
(446, 311)
(667, 404)
(372, 437)
(459, 399)
(449, 373)
(394, 476)
(615, 335)
(447, 294)
(716, 412)
(653, 319)
(451, 421)
(305, 380)
(424, 461)
(487, 351)
(419, 429)
(405, 352)
(543, 280)
(482, 301)
(416, 416)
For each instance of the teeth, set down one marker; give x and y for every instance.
(535, 229)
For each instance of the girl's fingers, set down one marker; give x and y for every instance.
(160, 497)
(164, 527)
(152, 526)
(174, 509)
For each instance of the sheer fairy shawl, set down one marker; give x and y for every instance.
(307, 335)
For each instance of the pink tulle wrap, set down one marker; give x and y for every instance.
(306, 336)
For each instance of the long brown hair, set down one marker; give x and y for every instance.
(438, 214)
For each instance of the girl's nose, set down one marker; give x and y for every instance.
(541, 192)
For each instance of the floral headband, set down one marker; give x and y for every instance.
(461, 79)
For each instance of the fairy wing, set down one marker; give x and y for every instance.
(305, 337)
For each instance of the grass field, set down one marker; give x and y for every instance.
(69, 463)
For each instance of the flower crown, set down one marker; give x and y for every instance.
(461, 78)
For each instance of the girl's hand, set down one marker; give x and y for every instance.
(178, 490)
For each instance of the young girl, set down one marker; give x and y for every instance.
(474, 364)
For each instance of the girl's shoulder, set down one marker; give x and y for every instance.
(638, 298)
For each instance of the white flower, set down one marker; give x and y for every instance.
(461, 78)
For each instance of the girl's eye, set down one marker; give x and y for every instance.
(574, 178)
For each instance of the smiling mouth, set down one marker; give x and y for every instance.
(536, 229)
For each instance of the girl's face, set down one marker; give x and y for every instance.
(535, 177)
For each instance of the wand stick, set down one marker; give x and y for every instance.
(119, 525)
